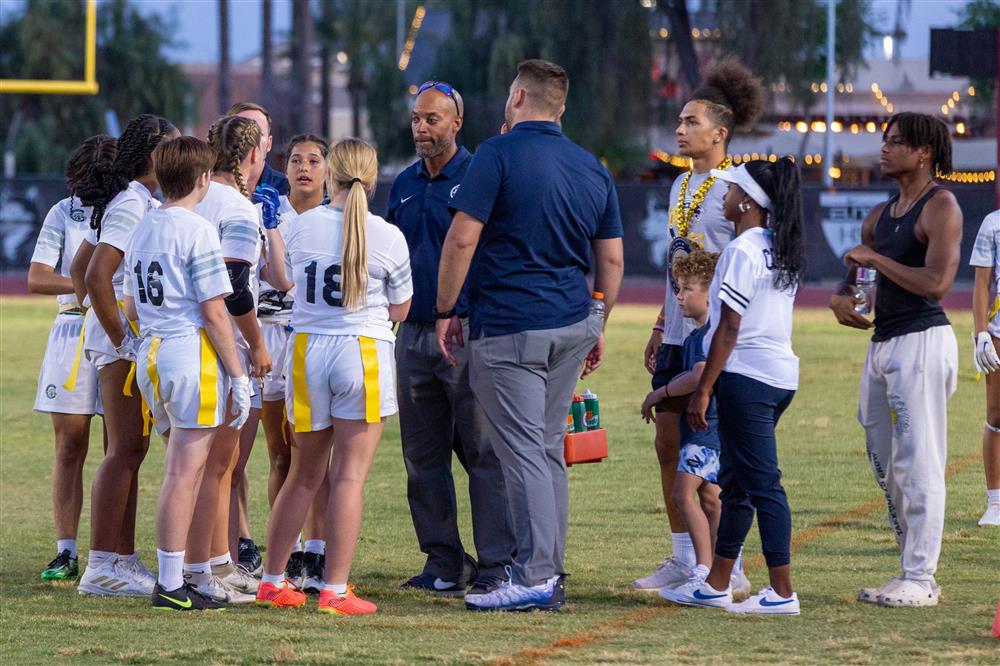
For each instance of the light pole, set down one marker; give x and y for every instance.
(831, 57)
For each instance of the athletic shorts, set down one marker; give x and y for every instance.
(97, 345)
(338, 376)
(276, 339)
(183, 381)
(67, 381)
(700, 461)
(669, 364)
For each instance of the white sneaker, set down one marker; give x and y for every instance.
(991, 517)
(513, 597)
(870, 595)
(213, 588)
(236, 577)
(740, 585)
(767, 602)
(696, 592)
(671, 573)
(908, 593)
(110, 580)
(133, 565)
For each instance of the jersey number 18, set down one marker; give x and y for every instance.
(331, 284)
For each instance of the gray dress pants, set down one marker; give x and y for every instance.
(524, 382)
(437, 413)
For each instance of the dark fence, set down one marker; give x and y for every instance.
(833, 221)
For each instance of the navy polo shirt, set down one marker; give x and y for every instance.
(542, 199)
(418, 205)
(274, 178)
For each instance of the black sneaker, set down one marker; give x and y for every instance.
(559, 594)
(432, 583)
(313, 565)
(249, 556)
(62, 567)
(184, 598)
(295, 570)
(470, 569)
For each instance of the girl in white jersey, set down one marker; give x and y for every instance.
(187, 358)
(755, 374)
(67, 382)
(986, 259)
(209, 564)
(352, 271)
(120, 195)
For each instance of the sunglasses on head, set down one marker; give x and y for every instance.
(443, 87)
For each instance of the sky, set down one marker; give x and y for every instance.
(197, 22)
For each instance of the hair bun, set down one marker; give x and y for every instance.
(741, 90)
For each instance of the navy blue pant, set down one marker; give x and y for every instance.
(748, 467)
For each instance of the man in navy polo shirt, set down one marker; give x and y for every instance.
(538, 212)
(436, 406)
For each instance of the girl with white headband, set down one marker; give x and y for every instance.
(755, 374)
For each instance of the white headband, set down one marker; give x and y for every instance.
(740, 176)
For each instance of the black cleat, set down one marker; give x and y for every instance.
(184, 598)
(295, 570)
(249, 556)
(312, 572)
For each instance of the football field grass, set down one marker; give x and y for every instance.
(618, 532)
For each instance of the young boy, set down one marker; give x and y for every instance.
(696, 490)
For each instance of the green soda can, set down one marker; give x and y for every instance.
(592, 409)
(579, 414)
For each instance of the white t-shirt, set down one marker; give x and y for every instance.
(238, 223)
(744, 280)
(120, 217)
(709, 230)
(314, 241)
(986, 254)
(175, 263)
(66, 225)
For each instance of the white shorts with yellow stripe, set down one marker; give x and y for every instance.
(183, 381)
(277, 339)
(97, 346)
(338, 377)
(67, 381)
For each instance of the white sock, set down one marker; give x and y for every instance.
(171, 568)
(70, 545)
(220, 560)
(738, 566)
(297, 546)
(273, 579)
(701, 571)
(317, 546)
(197, 567)
(339, 588)
(127, 556)
(96, 558)
(683, 548)
(992, 497)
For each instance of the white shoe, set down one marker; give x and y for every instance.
(767, 602)
(111, 580)
(236, 577)
(870, 595)
(512, 597)
(991, 517)
(133, 565)
(908, 593)
(696, 592)
(671, 573)
(213, 588)
(740, 585)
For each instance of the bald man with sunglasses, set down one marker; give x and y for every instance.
(437, 411)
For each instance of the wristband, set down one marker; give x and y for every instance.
(444, 315)
(658, 328)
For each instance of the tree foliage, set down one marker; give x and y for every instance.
(46, 41)
(979, 14)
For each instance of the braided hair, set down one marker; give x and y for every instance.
(920, 129)
(104, 179)
(233, 137)
(733, 96)
(100, 149)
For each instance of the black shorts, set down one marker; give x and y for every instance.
(669, 364)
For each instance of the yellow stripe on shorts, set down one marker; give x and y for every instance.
(994, 310)
(70, 384)
(373, 398)
(154, 374)
(301, 411)
(208, 400)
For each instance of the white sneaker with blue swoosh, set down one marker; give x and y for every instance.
(696, 592)
(767, 602)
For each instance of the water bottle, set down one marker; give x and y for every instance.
(865, 283)
(597, 304)
(579, 414)
(592, 410)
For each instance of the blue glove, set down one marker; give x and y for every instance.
(269, 199)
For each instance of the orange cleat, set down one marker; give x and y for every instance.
(348, 604)
(287, 595)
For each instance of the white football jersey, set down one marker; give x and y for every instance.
(986, 254)
(119, 219)
(744, 280)
(285, 214)
(314, 242)
(175, 263)
(66, 225)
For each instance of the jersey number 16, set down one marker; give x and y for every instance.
(152, 292)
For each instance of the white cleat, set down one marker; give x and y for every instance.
(671, 573)
(870, 595)
(696, 592)
(111, 580)
(236, 577)
(991, 517)
(213, 588)
(133, 565)
(767, 602)
(740, 585)
(911, 593)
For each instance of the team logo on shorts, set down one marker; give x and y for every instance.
(50, 391)
(454, 190)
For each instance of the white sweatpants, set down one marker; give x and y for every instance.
(903, 407)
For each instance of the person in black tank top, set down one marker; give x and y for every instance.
(911, 369)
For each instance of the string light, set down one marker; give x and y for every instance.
(969, 176)
(411, 38)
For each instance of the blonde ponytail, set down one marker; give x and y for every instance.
(353, 166)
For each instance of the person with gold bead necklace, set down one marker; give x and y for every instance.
(729, 99)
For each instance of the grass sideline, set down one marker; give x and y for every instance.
(617, 532)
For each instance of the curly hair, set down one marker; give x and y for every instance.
(699, 265)
(233, 137)
(920, 129)
(733, 95)
(99, 149)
